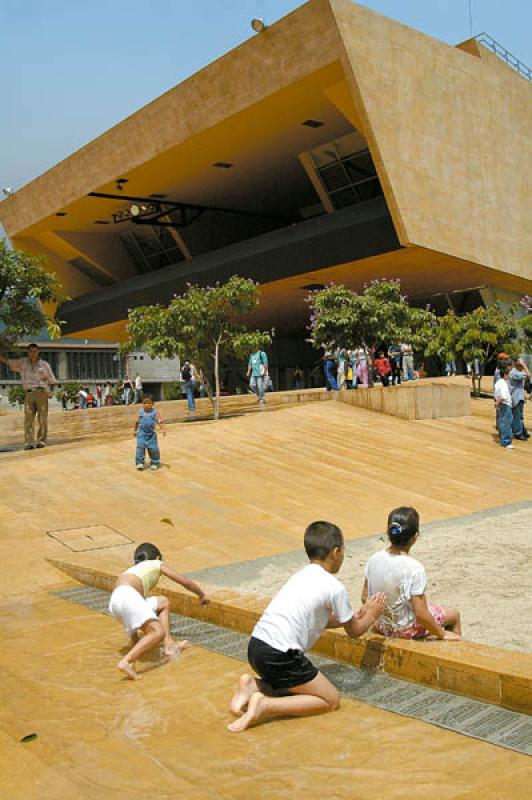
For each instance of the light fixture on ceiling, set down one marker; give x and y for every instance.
(258, 25)
(136, 210)
(61, 214)
(7, 190)
(120, 183)
(313, 123)
(101, 222)
(223, 164)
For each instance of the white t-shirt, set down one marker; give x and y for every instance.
(299, 612)
(502, 392)
(399, 577)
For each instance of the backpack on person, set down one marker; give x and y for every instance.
(186, 372)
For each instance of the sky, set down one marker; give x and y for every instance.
(71, 70)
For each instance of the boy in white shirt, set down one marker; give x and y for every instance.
(311, 601)
(503, 404)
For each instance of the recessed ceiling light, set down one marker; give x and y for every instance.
(122, 180)
(313, 123)
(158, 196)
(61, 214)
(314, 287)
(101, 222)
(223, 164)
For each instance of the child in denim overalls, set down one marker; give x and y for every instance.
(144, 430)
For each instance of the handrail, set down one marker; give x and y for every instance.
(505, 55)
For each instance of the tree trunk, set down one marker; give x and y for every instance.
(208, 387)
(217, 379)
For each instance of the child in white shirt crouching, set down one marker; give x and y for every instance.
(309, 602)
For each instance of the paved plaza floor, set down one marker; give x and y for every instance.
(233, 496)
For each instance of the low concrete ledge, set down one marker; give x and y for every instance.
(415, 400)
(494, 675)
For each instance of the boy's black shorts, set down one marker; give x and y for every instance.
(280, 670)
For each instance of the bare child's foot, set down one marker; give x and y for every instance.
(173, 649)
(257, 708)
(128, 670)
(246, 687)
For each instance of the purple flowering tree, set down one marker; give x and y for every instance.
(201, 324)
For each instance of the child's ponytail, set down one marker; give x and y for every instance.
(403, 525)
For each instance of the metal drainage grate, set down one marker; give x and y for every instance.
(498, 726)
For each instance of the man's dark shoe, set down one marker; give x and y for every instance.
(28, 447)
(40, 444)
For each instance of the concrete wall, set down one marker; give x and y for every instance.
(450, 135)
(424, 400)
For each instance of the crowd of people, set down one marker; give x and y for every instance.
(511, 381)
(360, 367)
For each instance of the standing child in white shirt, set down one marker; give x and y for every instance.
(406, 615)
(311, 601)
(503, 405)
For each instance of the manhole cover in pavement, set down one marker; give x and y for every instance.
(93, 537)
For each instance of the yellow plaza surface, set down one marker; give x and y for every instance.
(100, 736)
(247, 486)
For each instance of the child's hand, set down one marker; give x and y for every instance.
(374, 606)
(205, 601)
(449, 636)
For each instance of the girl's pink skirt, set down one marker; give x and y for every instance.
(415, 631)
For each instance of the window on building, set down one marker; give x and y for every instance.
(92, 366)
(350, 179)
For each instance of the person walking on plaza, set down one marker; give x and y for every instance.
(408, 362)
(503, 404)
(98, 395)
(126, 391)
(138, 388)
(299, 378)
(107, 394)
(518, 375)
(37, 380)
(146, 434)
(188, 379)
(394, 354)
(383, 368)
(257, 372)
(329, 367)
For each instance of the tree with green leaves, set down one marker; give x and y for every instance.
(24, 285)
(201, 324)
(477, 337)
(525, 324)
(16, 395)
(342, 318)
(445, 336)
(70, 390)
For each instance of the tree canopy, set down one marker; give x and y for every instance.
(24, 285)
(340, 317)
(476, 336)
(200, 324)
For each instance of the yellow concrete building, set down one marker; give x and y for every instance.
(336, 145)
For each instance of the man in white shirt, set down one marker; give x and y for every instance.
(311, 601)
(503, 404)
(37, 379)
(138, 388)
